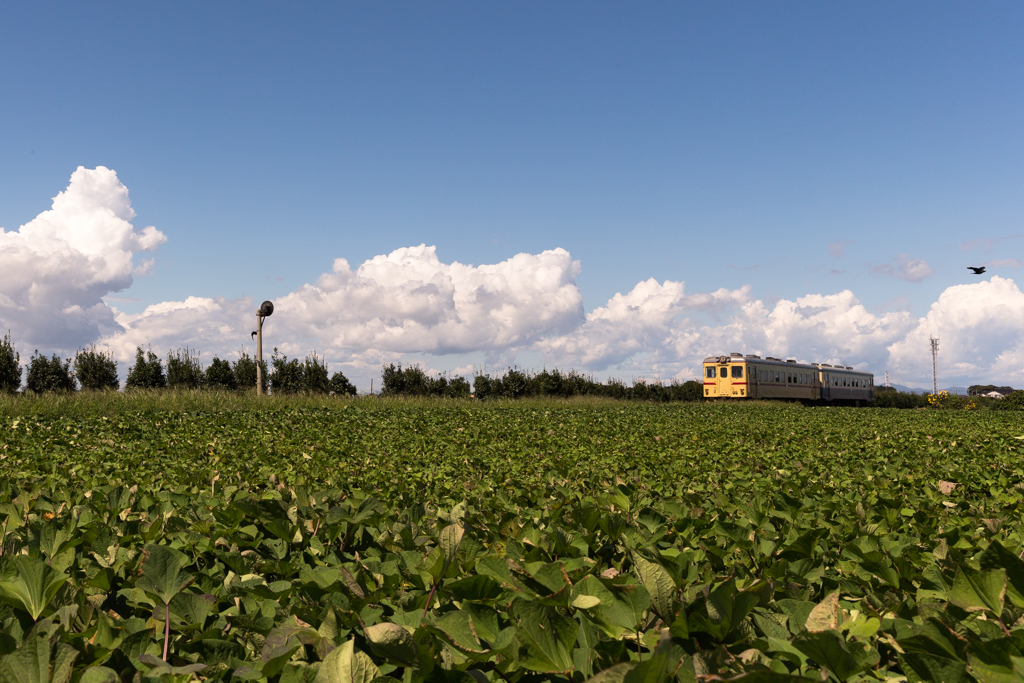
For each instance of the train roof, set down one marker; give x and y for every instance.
(789, 363)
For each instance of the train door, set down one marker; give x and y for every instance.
(724, 383)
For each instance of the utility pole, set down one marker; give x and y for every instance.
(266, 309)
(935, 364)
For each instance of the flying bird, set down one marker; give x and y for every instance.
(977, 271)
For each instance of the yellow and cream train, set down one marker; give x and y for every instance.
(742, 377)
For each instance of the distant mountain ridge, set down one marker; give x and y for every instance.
(962, 391)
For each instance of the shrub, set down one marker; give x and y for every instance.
(49, 374)
(96, 370)
(10, 366)
(514, 384)
(245, 372)
(458, 387)
(413, 381)
(887, 397)
(690, 390)
(1014, 401)
(314, 375)
(286, 376)
(184, 370)
(219, 375)
(147, 373)
(340, 386)
(398, 381)
(483, 387)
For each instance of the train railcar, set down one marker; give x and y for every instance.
(739, 376)
(838, 383)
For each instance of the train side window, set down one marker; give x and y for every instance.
(737, 371)
(710, 372)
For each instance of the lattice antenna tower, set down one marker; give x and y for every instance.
(935, 364)
(887, 379)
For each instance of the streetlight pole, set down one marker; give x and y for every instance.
(266, 309)
(259, 354)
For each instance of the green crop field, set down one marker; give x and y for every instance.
(220, 538)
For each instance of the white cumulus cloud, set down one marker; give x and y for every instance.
(57, 267)
(656, 329)
(980, 327)
(410, 301)
(213, 326)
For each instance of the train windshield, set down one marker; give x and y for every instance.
(737, 371)
(709, 372)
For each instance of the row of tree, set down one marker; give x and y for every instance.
(516, 383)
(97, 370)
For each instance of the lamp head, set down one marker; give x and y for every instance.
(266, 309)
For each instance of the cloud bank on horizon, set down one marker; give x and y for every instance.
(408, 304)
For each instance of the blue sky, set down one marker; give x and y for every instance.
(719, 144)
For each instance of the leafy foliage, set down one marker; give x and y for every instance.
(245, 372)
(1013, 402)
(96, 370)
(219, 375)
(888, 397)
(184, 369)
(340, 386)
(314, 375)
(49, 374)
(286, 376)
(516, 383)
(10, 366)
(147, 373)
(388, 540)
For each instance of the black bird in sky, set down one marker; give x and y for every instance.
(977, 271)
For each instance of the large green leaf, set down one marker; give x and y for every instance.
(998, 557)
(346, 665)
(163, 574)
(931, 668)
(659, 585)
(32, 662)
(728, 607)
(449, 541)
(29, 584)
(825, 615)
(549, 636)
(392, 642)
(831, 652)
(975, 590)
(993, 661)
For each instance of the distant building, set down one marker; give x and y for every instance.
(994, 394)
(988, 390)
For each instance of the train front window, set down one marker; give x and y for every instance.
(710, 372)
(737, 372)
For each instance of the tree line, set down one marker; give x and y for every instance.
(96, 370)
(515, 383)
